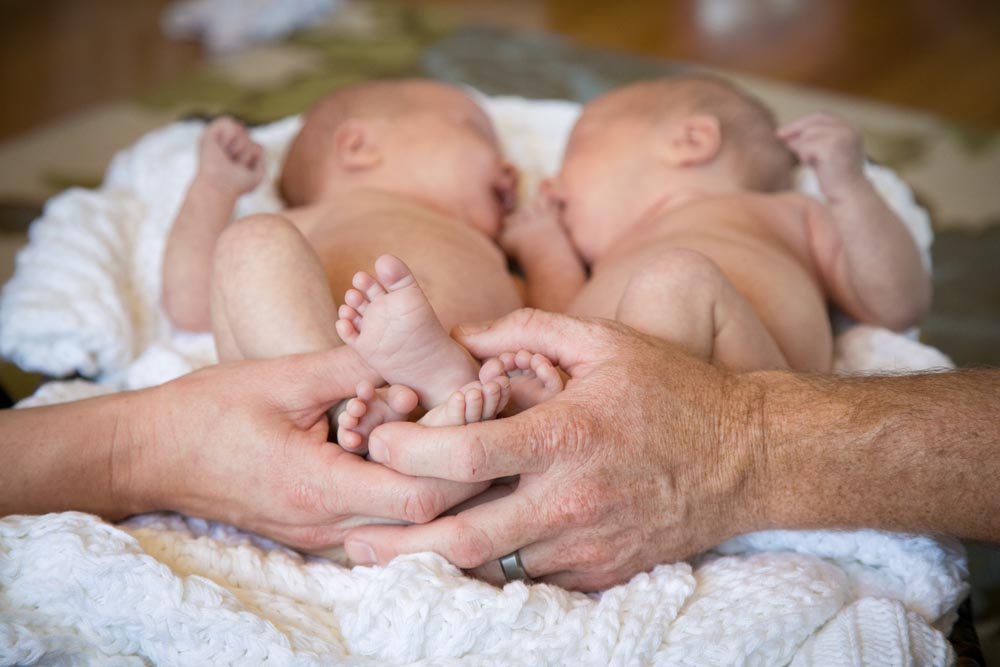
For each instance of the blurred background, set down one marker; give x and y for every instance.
(84, 78)
(59, 56)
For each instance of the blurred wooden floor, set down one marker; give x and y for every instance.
(59, 56)
(929, 54)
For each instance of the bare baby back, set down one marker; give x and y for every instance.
(463, 273)
(760, 245)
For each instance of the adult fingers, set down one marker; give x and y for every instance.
(567, 341)
(468, 540)
(321, 379)
(345, 484)
(472, 453)
(540, 560)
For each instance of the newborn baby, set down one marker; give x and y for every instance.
(407, 169)
(674, 193)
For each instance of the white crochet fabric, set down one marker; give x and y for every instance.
(165, 590)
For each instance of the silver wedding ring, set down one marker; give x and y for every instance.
(513, 568)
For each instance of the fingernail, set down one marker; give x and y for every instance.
(360, 553)
(472, 328)
(377, 451)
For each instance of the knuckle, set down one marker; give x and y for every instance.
(624, 549)
(579, 436)
(578, 508)
(592, 556)
(524, 316)
(304, 496)
(312, 538)
(422, 506)
(471, 546)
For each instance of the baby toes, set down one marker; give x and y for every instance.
(491, 370)
(474, 401)
(495, 395)
(453, 413)
(401, 399)
(547, 373)
(367, 285)
(356, 300)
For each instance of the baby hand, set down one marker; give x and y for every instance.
(531, 224)
(830, 146)
(229, 158)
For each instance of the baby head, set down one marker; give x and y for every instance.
(634, 148)
(421, 139)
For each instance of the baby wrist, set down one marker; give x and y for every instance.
(209, 184)
(838, 189)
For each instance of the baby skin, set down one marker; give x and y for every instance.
(674, 194)
(410, 168)
(389, 322)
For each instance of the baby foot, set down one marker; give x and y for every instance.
(533, 378)
(390, 323)
(369, 409)
(475, 402)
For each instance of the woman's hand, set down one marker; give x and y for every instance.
(246, 443)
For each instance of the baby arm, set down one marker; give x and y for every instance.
(869, 260)
(553, 270)
(229, 165)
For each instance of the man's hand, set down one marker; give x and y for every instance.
(246, 443)
(832, 147)
(645, 458)
(229, 158)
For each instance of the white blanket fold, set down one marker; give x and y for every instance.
(168, 590)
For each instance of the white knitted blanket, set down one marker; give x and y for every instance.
(165, 590)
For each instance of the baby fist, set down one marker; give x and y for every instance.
(229, 158)
(829, 145)
(532, 223)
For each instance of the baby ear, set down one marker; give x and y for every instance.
(694, 140)
(355, 145)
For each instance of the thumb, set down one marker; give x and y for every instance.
(567, 341)
(326, 377)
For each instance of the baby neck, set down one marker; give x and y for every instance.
(679, 191)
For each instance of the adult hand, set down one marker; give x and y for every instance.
(646, 457)
(246, 443)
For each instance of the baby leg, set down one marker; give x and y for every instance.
(270, 296)
(684, 298)
(392, 326)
